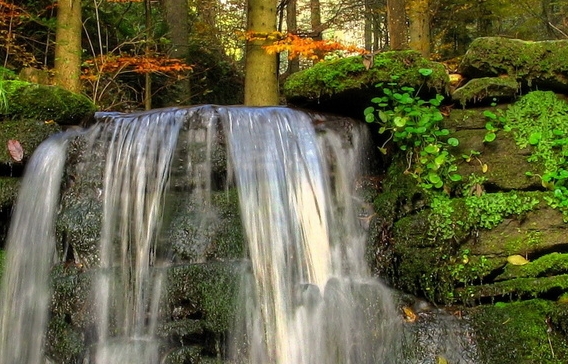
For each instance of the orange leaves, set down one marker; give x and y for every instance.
(137, 64)
(297, 46)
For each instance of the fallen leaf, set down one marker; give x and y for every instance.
(409, 315)
(517, 259)
(441, 360)
(15, 149)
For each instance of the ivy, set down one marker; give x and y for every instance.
(413, 124)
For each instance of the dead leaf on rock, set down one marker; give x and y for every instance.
(517, 260)
(15, 149)
(409, 315)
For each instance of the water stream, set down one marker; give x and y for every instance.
(307, 296)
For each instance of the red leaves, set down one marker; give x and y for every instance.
(137, 64)
(15, 149)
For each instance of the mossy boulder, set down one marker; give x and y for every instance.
(44, 103)
(519, 332)
(347, 85)
(539, 65)
(485, 89)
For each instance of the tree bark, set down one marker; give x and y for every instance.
(396, 15)
(68, 45)
(292, 26)
(419, 27)
(261, 82)
(176, 13)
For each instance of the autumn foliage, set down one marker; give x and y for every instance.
(298, 46)
(110, 64)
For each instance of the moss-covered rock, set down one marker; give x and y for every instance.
(487, 89)
(8, 191)
(44, 103)
(539, 65)
(519, 332)
(347, 85)
(28, 132)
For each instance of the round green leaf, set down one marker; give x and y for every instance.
(453, 142)
(425, 71)
(489, 137)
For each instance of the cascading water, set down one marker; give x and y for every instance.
(312, 291)
(30, 255)
(307, 297)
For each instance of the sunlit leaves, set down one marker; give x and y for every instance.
(297, 46)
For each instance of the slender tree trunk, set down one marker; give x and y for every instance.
(148, 51)
(176, 13)
(68, 45)
(292, 26)
(368, 29)
(261, 82)
(396, 15)
(419, 28)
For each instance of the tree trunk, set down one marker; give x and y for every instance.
(148, 53)
(397, 24)
(292, 26)
(368, 26)
(419, 28)
(261, 82)
(68, 45)
(178, 27)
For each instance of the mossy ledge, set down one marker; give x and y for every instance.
(350, 84)
(539, 65)
(44, 103)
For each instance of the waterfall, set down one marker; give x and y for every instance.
(30, 254)
(314, 300)
(306, 297)
(126, 291)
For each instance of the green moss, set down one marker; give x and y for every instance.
(540, 63)
(517, 332)
(334, 77)
(8, 191)
(206, 290)
(522, 287)
(486, 88)
(432, 260)
(44, 103)
(29, 132)
(547, 265)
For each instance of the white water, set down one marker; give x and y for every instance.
(30, 255)
(308, 298)
(126, 291)
(314, 301)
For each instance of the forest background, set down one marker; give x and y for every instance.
(129, 55)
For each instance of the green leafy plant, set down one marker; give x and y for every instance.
(539, 121)
(414, 126)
